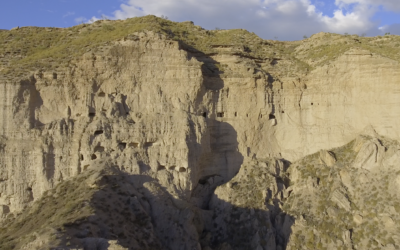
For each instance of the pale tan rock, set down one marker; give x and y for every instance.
(358, 219)
(142, 106)
(347, 239)
(164, 115)
(346, 180)
(113, 245)
(336, 106)
(75, 119)
(327, 158)
(388, 221)
(389, 247)
(339, 198)
(369, 156)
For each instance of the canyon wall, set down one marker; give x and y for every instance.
(186, 121)
(149, 105)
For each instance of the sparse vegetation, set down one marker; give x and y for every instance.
(326, 214)
(63, 205)
(50, 47)
(324, 199)
(32, 48)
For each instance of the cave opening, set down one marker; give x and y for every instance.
(160, 167)
(98, 132)
(133, 144)
(99, 149)
(122, 145)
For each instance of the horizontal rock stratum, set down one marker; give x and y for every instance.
(151, 134)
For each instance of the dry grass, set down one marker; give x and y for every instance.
(31, 48)
(62, 205)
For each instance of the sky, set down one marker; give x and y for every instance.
(270, 19)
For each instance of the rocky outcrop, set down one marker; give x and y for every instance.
(152, 142)
(363, 198)
(123, 105)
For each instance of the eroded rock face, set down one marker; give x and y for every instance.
(133, 103)
(355, 205)
(150, 106)
(177, 123)
(248, 209)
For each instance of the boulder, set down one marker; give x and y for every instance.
(326, 157)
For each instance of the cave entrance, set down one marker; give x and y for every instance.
(122, 145)
(133, 144)
(98, 132)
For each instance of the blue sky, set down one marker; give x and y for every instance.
(55, 13)
(285, 19)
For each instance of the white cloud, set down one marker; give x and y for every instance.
(392, 29)
(91, 20)
(94, 19)
(69, 13)
(390, 5)
(351, 22)
(80, 20)
(285, 19)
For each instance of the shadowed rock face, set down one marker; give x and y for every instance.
(175, 148)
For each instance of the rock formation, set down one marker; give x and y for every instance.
(149, 134)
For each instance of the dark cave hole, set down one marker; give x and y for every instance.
(98, 132)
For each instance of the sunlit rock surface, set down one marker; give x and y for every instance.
(151, 141)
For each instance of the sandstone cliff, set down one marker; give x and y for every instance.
(149, 134)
